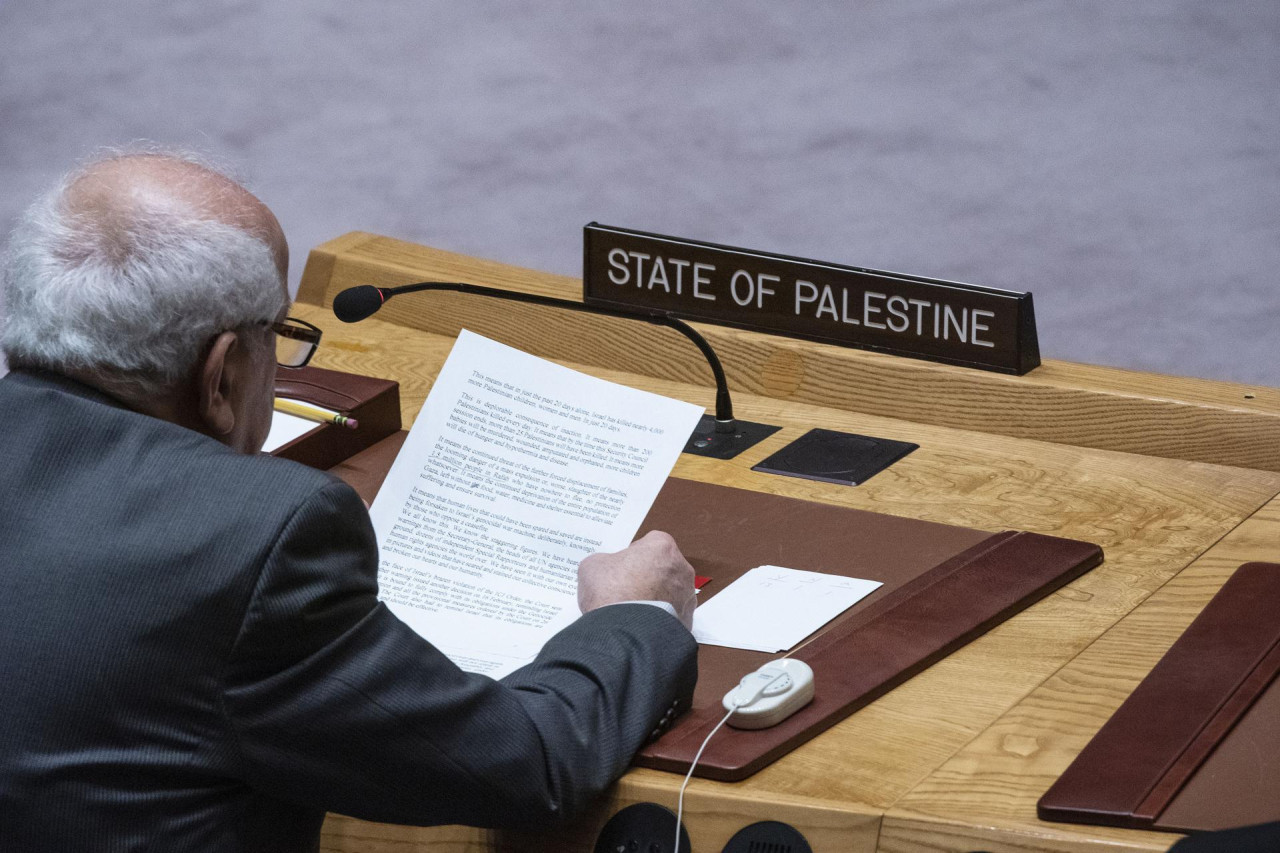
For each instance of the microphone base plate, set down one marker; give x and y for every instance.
(705, 441)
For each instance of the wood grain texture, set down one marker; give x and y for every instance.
(1153, 517)
(1006, 769)
(1083, 405)
(319, 268)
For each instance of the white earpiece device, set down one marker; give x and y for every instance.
(769, 695)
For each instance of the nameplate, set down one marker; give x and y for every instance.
(889, 312)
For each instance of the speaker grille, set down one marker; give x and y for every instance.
(768, 847)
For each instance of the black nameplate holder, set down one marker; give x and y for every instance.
(907, 315)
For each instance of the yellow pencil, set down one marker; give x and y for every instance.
(315, 413)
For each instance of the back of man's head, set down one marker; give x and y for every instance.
(127, 269)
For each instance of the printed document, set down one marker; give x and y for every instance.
(515, 470)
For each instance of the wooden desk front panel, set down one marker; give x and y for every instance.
(1152, 516)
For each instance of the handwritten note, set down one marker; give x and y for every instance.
(771, 608)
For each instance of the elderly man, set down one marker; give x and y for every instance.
(193, 654)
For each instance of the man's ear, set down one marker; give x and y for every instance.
(215, 380)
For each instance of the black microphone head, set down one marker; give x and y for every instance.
(356, 303)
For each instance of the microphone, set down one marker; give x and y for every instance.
(357, 303)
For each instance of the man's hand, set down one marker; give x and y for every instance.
(649, 569)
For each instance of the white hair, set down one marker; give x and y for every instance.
(135, 299)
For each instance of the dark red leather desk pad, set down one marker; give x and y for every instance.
(1197, 745)
(942, 587)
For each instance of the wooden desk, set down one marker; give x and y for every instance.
(1176, 479)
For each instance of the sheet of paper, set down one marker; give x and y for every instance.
(771, 608)
(285, 428)
(515, 470)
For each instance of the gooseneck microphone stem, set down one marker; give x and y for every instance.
(357, 303)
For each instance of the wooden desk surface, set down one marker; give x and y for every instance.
(955, 758)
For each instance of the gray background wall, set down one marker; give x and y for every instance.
(1121, 160)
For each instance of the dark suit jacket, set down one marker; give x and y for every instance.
(193, 658)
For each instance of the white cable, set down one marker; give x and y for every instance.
(689, 775)
(747, 700)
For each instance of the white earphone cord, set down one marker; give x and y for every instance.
(736, 705)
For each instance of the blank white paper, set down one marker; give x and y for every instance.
(771, 608)
(285, 428)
